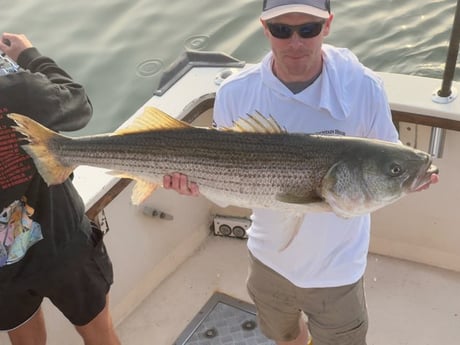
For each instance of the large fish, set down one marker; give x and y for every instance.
(256, 164)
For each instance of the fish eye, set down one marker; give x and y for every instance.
(396, 169)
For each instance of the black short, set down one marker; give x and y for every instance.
(78, 290)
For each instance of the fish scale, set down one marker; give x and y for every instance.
(190, 152)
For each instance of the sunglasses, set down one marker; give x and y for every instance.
(285, 31)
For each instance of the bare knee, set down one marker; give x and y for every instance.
(32, 332)
(99, 330)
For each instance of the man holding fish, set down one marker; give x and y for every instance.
(311, 87)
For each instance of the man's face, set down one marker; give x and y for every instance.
(297, 59)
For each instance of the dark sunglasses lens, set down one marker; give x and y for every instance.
(280, 30)
(283, 31)
(310, 30)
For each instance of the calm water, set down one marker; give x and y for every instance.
(119, 48)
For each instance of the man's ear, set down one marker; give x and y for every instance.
(327, 25)
(264, 25)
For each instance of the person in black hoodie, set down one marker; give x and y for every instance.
(48, 247)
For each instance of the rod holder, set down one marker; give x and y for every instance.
(438, 135)
(437, 98)
(437, 139)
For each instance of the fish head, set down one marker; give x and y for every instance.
(373, 174)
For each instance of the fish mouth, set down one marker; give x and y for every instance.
(424, 179)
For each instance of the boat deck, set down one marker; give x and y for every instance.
(409, 303)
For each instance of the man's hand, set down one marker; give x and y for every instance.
(13, 44)
(180, 184)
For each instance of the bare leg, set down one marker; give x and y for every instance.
(33, 332)
(100, 330)
(302, 338)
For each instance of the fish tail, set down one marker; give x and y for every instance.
(39, 149)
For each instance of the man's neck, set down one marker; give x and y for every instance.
(308, 76)
(297, 85)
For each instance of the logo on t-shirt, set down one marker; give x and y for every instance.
(332, 132)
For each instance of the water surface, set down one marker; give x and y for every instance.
(119, 48)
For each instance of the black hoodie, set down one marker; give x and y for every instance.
(41, 227)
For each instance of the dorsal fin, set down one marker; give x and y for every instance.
(151, 119)
(256, 123)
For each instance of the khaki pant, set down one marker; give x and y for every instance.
(336, 316)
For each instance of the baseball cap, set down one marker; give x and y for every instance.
(275, 8)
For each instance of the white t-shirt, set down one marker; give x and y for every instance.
(347, 99)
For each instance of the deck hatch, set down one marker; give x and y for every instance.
(224, 320)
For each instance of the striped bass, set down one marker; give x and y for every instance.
(255, 164)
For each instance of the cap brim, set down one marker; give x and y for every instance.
(280, 10)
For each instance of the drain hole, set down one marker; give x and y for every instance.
(249, 325)
(210, 333)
